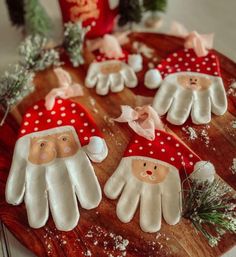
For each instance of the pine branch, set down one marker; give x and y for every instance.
(210, 208)
(130, 11)
(16, 12)
(14, 86)
(37, 20)
(35, 56)
(155, 5)
(74, 34)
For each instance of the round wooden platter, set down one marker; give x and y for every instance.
(99, 232)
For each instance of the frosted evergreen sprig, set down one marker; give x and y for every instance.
(15, 84)
(34, 54)
(36, 18)
(74, 34)
(154, 5)
(211, 209)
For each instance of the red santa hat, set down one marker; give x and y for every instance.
(135, 61)
(64, 113)
(166, 148)
(184, 60)
(101, 57)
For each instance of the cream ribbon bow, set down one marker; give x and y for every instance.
(200, 43)
(67, 88)
(143, 120)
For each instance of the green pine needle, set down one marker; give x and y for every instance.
(34, 55)
(14, 86)
(73, 42)
(37, 20)
(210, 208)
(155, 5)
(130, 11)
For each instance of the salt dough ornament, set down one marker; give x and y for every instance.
(113, 68)
(148, 175)
(50, 166)
(188, 84)
(97, 15)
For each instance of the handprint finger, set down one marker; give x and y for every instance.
(180, 107)
(150, 209)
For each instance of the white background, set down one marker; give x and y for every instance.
(205, 16)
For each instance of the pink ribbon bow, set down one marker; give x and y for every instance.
(143, 120)
(200, 43)
(67, 88)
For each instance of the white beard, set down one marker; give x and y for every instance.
(154, 199)
(56, 185)
(178, 102)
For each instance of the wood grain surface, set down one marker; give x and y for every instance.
(99, 232)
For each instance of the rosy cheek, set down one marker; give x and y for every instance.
(67, 149)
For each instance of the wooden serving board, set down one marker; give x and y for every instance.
(99, 232)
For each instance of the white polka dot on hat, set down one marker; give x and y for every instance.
(187, 58)
(64, 113)
(165, 148)
(184, 60)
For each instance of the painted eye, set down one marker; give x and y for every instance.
(42, 145)
(191, 79)
(155, 167)
(144, 164)
(64, 138)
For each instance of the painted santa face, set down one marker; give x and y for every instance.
(149, 172)
(194, 82)
(109, 68)
(46, 148)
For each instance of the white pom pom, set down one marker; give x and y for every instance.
(203, 171)
(135, 61)
(152, 79)
(95, 145)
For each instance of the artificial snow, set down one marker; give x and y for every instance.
(232, 89)
(201, 134)
(88, 253)
(233, 123)
(191, 132)
(117, 244)
(233, 85)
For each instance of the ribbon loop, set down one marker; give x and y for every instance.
(67, 88)
(142, 120)
(200, 43)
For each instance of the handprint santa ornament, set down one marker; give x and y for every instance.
(189, 85)
(149, 176)
(51, 166)
(113, 68)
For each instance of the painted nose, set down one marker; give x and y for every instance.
(149, 172)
